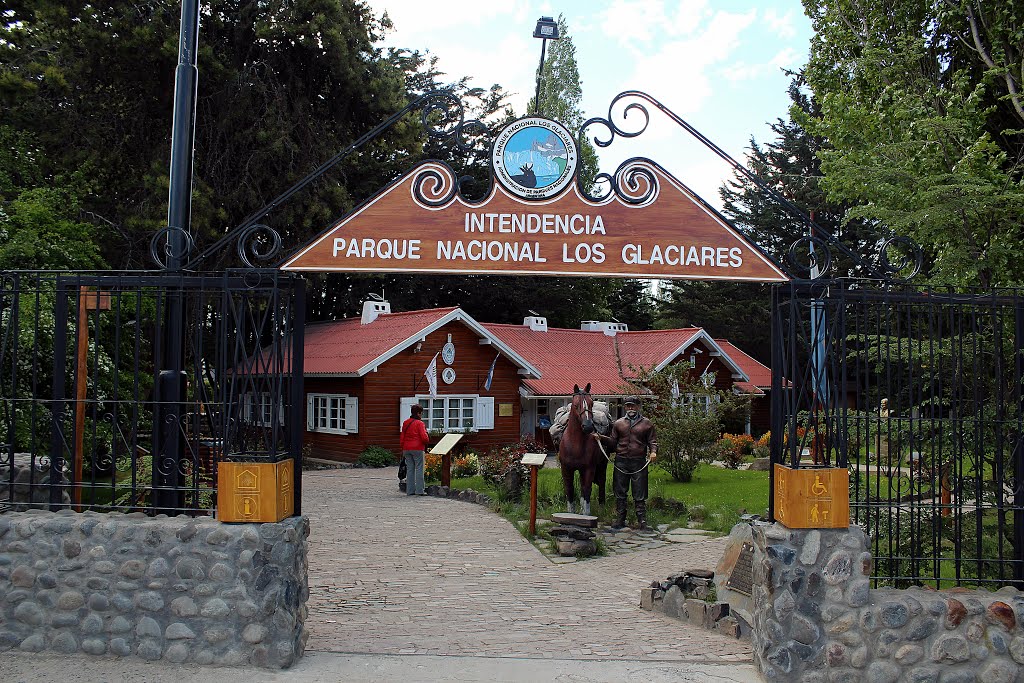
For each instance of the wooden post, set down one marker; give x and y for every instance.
(534, 461)
(97, 302)
(446, 469)
(533, 500)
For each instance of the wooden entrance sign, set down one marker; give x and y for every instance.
(812, 497)
(444, 448)
(534, 461)
(255, 492)
(420, 225)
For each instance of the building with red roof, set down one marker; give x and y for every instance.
(496, 381)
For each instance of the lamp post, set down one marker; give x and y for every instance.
(546, 29)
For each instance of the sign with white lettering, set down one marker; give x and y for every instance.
(655, 227)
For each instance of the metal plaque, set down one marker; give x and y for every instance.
(742, 578)
(535, 459)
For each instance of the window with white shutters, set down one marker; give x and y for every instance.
(452, 413)
(332, 413)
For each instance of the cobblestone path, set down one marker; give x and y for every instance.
(397, 574)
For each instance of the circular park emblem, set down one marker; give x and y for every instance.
(534, 158)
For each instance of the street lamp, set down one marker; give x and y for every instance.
(547, 29)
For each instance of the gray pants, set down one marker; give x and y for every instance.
(413, 472)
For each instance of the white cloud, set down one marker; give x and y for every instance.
(782, 26)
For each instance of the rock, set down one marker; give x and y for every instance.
(1017, 649)
(647, 597)
(148, 628)
(761, 465)
(215, 608)
(999, 671)
(149, 601)
(94, 646)
(859, 593)
(119, 624)
(254, 633)
(812, 546)
(803, 630)
(70, 600)
(133, 569)
(955, 613)
(34, 643)
(120, 647)
(149, 650)
(29, 613)
(64, 643)
(838, 569)
(908, 654)
(882, 672)
(184, 606)
(179, 631)
(950, 648)
(894, 614)
(23, 577)
(1000, 613)
(923, 629)
(923, 675)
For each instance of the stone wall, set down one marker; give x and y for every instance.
(816, 618)
(178, 589)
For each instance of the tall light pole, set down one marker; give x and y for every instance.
(547, 29)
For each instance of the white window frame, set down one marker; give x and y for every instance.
(332, 413)
(256, 407)
(481, 415)
(690, 401)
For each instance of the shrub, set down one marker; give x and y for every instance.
(376, 456)
(431, 467)
(502, 467)
(466, 465)
(734, 448)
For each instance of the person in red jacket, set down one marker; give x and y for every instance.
(414, 442)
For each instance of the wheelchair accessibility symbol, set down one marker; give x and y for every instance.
(818, 488)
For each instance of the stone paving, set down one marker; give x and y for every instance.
(397, 574)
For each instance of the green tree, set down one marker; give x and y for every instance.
(687, 412)
(924, 130)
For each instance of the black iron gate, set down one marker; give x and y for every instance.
(90, 420)
(919, 393)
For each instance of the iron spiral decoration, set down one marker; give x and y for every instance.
(910, 259)
(258, 242)
(435, 185)
(161, 251)
(620, 130)
(807, 254)
(635, 182)
(444, 118)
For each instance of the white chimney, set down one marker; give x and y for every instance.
(536, 323)
(608, 328)
(371, 309)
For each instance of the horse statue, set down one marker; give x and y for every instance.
(578, 451)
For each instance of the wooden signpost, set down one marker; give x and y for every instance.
(812, 497)
(444, 448)
(88, 300)
(534, 461)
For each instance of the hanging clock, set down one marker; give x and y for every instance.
(448, 352)
(448, 375)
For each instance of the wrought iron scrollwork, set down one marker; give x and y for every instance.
(444, 118)
(259, 242)
(810, 257)
(616, 130)
(634, 182)
(161, 248)
(909, 258)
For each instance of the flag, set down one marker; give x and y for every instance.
(431, 374)
(675, 389)
(490, 374)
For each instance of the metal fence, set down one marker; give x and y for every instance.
(919, 393)
(123, 391)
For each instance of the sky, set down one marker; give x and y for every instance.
(717, 64)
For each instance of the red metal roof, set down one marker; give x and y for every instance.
(564, 358)
(568, 357)
(650, 348)
(760, 375)
(346, 346)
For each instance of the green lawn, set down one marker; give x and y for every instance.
(714, 500)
